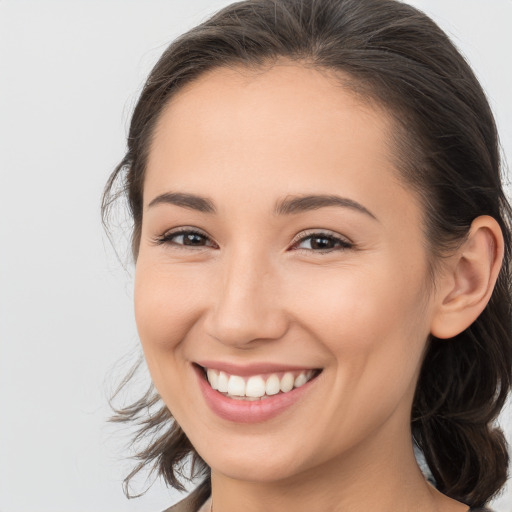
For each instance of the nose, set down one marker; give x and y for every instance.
(247, 308)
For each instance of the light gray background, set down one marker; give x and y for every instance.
(70, 72)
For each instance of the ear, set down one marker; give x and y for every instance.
(466, 284)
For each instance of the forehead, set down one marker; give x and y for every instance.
(285, 95)
(278, 130)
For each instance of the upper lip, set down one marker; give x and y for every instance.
(251, 369)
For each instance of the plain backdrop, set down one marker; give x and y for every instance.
(70, 72)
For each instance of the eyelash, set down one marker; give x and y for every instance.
(340, 243)
(167, 238)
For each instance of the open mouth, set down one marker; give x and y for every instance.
(256, 387)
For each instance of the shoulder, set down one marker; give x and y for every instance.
(182, 506)
(189, 504)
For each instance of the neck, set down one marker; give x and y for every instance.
(380, 477)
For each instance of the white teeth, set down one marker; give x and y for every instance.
(287, 382)
(256, 387)
(273, 385)
(222, 383)
(213, 378)
(236, 385)
(300, 380)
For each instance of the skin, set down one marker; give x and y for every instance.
(255, 289)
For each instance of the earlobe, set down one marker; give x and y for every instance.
(467, 284)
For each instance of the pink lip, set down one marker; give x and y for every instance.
(241, 411)
(250, 369)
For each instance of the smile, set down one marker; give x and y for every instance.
(259, 394)
(257, 387)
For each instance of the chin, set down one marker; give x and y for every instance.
(253, 465)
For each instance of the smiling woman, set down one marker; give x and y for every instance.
(322, 254)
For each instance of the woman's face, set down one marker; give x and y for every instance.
(277, 239)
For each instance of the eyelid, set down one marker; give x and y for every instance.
(327, 233)
(319, 231)
(181, 230)
(166, 238)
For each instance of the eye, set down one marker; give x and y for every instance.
(321, 242)
(185, 238)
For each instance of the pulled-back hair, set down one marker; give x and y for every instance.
(447, 151)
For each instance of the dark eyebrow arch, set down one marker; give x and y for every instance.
(191, 201)
(286, 206)
(298, 204)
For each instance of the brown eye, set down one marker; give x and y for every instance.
(191, 239)
(186, 238)
(322, 242)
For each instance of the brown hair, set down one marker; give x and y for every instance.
(448, 152)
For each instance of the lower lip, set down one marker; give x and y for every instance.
(242, 411)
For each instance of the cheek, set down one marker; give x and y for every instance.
(374, 328)
(167, 306)
(371, 318)
(365, 298)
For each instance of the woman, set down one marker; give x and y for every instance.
(322, 252)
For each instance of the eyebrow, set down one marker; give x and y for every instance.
(288, 206)
(304, 203)
(190, 201)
